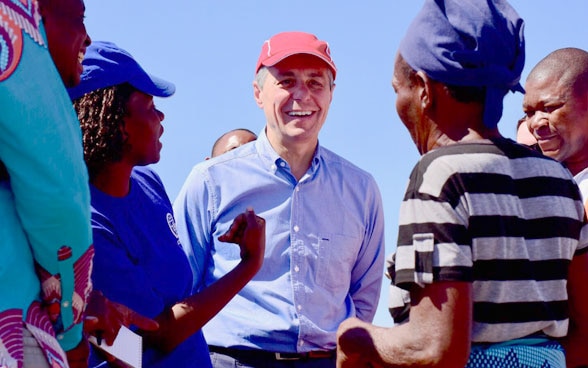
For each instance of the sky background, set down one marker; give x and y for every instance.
(209, 50)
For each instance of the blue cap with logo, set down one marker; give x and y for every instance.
(106, 65)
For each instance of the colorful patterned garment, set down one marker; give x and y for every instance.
(44, 197)
(520, 353)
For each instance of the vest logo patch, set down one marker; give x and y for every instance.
(16, 17)
(171, 222)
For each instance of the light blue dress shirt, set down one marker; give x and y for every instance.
(324, 257)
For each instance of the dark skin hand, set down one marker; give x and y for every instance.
(78, 356)
(188, 316)
(103, 319)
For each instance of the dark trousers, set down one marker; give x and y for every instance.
(265, 360)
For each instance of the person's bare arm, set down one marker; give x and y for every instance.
(188, 316)
(437, 334)
(104, 318)
(575, 341)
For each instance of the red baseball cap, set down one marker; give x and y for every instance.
(285, 44)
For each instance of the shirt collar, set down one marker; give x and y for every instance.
(272, 161)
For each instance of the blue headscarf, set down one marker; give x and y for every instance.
(478, 43)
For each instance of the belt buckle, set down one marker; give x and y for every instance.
(287, 356)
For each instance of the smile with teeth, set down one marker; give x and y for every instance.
(300, 113)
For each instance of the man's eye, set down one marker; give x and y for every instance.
(286, 83)
(550, 109)
(315, 84)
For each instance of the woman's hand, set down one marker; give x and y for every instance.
(247, 230)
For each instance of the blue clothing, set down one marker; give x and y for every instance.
(469, 43)
(324, 252)
(45, 235)
(139, 261)
(519, 353)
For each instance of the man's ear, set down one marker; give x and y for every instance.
(257, 91)
(332, 90)
(426, 89)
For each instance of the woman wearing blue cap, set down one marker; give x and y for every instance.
(492, 242)
(139, 260)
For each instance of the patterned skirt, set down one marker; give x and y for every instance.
(519, 353)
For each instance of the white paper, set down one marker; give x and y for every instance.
(127, 347)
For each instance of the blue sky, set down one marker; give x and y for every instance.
(209, 50)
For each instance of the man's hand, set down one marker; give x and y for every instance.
(349, 333)
(104, 318)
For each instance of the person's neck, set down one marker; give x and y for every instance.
(575, 167)
(114, 179)
(477, 134)
(445, 134)
(298, 156)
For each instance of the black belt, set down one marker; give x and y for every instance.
(262, 354)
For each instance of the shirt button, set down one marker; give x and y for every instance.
(59, 337)
(65, 304)
(299, 307)
(296, 228)
(298, 189)
(301, 343)
(274, 167)
(296, 268)
(282, 164)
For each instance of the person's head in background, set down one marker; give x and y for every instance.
(524, 136)
(231, 140)
(67, 38)
(120, 124)
(556, 106)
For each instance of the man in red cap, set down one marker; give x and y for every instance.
(324, 221)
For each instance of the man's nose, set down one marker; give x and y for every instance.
(301, 91)
(538, 120)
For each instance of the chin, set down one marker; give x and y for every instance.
(551, 154)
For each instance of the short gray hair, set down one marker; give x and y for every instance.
(263, 71)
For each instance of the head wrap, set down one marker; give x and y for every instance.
(478, 43)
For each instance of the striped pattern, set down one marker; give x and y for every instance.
(502, 217)
(11, 348)
(38, 324)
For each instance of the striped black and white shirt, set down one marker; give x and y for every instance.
(503, 217)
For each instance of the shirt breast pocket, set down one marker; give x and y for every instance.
(337, 256)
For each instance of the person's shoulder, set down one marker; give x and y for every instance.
(502, 147)
(231, 158)
(145, 172)
(146, 177)
(332, 159)
(488, 155)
